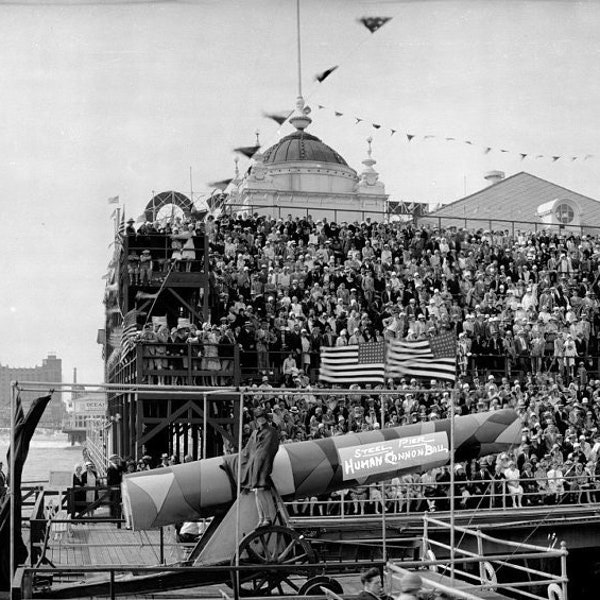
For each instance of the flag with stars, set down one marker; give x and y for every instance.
(434, 357)
(358, 363)
(374, 23)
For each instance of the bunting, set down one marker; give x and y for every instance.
(373, 24)
(487, 149)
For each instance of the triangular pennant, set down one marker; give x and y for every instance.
(338, 114)
(450, 139)
(358, 120)
(279, 118)
(376, 126)
(504, 151)
(248, 151)
(374, 23)
(221, 185)
(573, 158)
(428, 137)
(523, 155)
(321, 77)
(410, 136)
(555, 158)
(320, 106)
(487, 150)
(588, 156)
(469, 142)
(392, 131)
(540, 156)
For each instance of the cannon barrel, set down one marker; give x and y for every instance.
(303, 469)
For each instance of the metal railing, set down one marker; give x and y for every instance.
(412, 499)
(497, 571)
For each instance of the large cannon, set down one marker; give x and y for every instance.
(301, 470)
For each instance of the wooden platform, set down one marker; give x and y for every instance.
(104, 544)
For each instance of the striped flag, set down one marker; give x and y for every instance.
(129, 331)
(113, 200)
(358, 363)
(121, 229)
(434, 357)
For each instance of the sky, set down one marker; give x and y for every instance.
(105, 98)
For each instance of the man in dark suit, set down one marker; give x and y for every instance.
(372, 588)
(114, 475)
(257, 464)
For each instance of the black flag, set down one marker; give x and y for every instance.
(248, 151)
(374, 23)
(24, 429)
(279, 118)
(321, 77)
(220, 185)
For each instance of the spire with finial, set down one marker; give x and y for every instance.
(300, 119)
(369, 178)
(257, 134)
(369, 161)
(236, 160)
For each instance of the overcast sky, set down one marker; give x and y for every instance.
(106, 98)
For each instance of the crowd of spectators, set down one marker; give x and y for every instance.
(524, 308)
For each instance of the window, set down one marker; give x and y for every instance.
(564, 213)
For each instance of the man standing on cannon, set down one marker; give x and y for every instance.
(257, 464)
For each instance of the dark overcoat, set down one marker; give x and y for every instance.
(257, 457)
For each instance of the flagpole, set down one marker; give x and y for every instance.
(383, 499)
(299, 48)
(453, 398)
(11, 489)
(452, 516)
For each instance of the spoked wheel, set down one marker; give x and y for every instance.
(274, 545)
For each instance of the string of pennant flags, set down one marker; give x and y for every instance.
(373, 24)
(409, 137)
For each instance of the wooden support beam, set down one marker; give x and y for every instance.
(196, 314)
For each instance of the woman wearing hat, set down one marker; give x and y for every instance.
(89, 479)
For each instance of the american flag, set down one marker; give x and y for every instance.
(129, 331)
(358, 363)
(434, 357)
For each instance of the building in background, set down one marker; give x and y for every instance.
(50, 371)
(300, 176)
(520, 202)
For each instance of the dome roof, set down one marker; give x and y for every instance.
(300, 146)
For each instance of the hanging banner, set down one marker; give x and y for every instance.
(362, 461)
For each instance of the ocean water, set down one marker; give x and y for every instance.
(48, 452)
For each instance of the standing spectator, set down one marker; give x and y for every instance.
(114, 475)
(89, 479)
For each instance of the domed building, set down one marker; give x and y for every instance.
(301, 175)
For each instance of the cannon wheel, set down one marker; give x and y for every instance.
(273, 545)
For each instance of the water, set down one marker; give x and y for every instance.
(47, 453)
